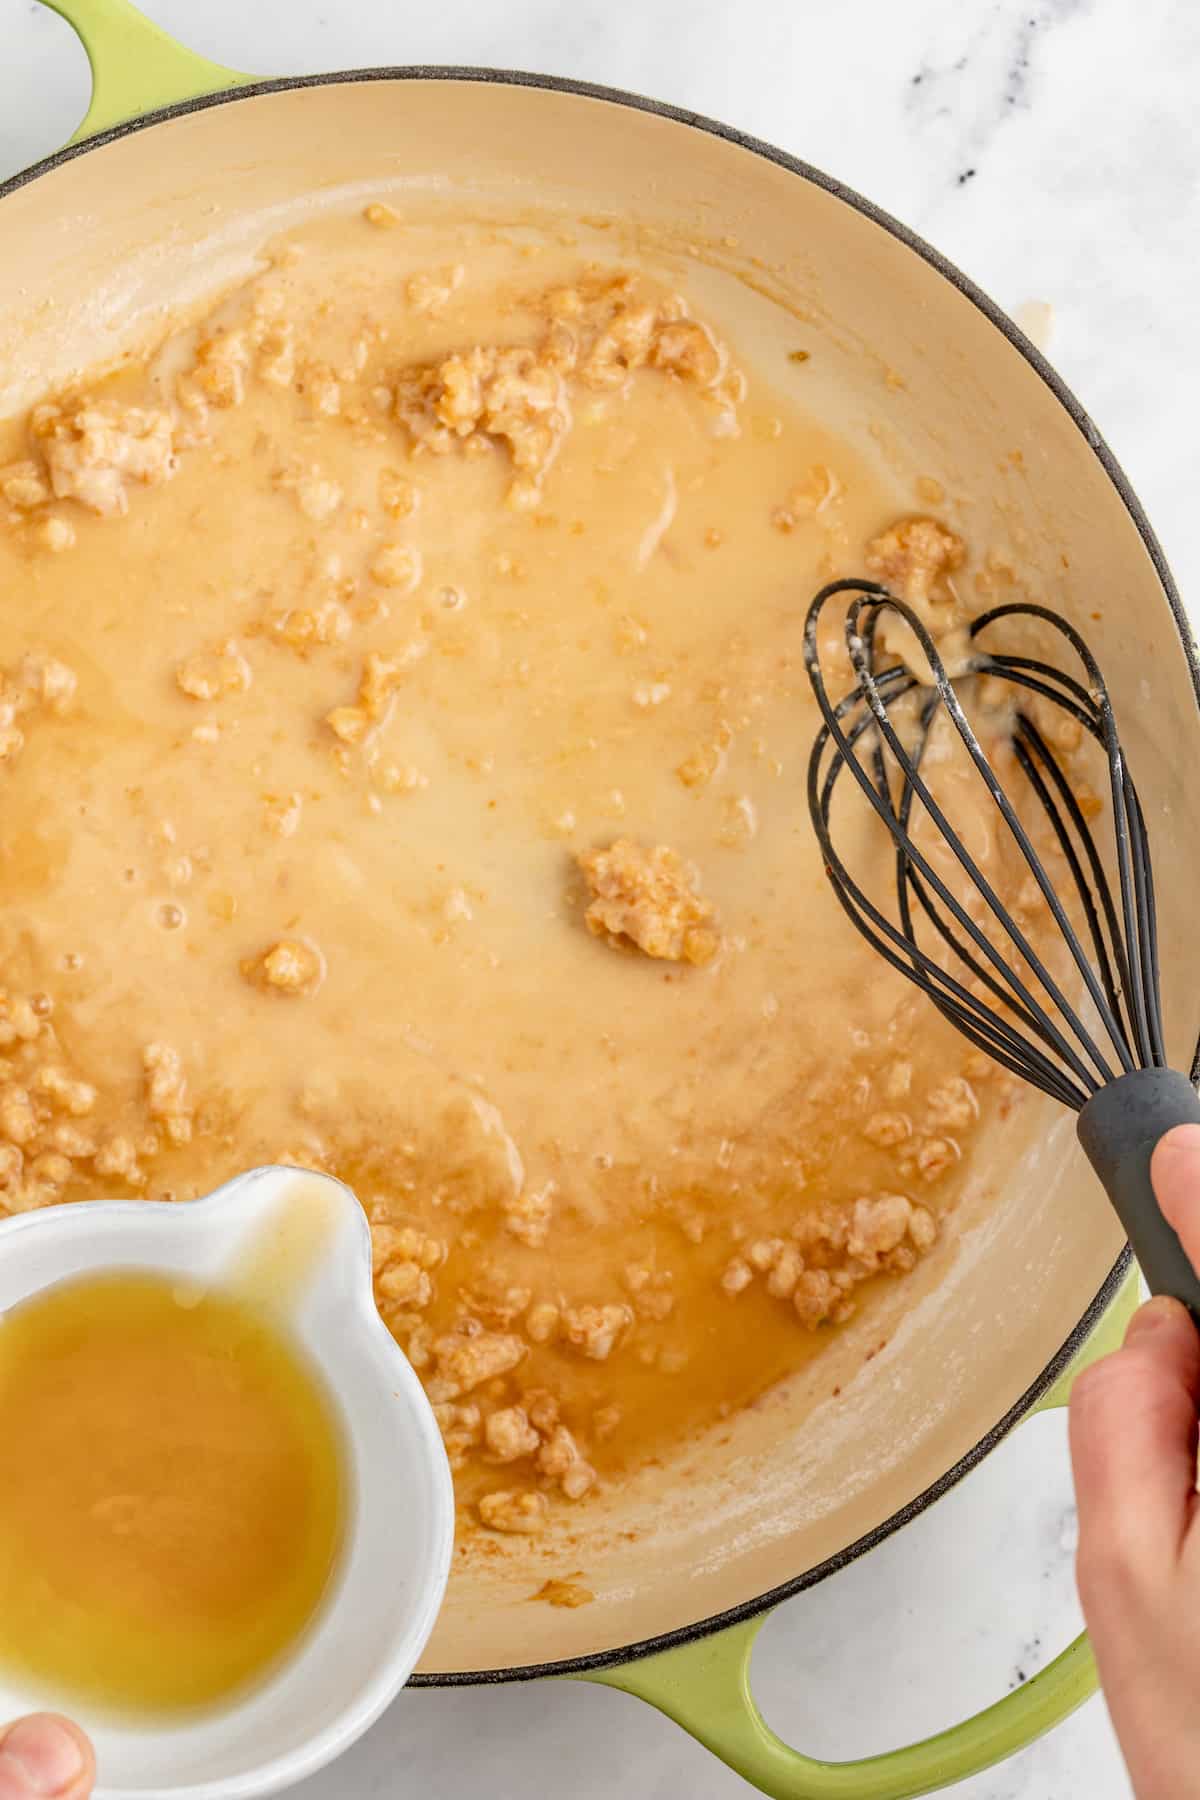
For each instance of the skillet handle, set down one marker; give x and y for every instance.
(705, 1687)
(136, 66)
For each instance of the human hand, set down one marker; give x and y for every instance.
(43, 1756)
(1133, 1446)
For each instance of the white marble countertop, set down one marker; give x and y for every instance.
(1049, 148)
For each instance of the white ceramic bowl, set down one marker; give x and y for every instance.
(375, 1622)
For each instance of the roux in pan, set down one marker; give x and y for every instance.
(403, 737)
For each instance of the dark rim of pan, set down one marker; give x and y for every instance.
(587, 90)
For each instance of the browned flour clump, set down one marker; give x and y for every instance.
(648, 898)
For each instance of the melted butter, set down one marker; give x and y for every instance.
(172, 1493)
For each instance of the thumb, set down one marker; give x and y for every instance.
(1175, 1174)
(44, 1757)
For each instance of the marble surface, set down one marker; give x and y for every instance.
(1048, 147)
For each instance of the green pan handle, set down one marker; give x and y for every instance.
(705, 1687)
(136, 67)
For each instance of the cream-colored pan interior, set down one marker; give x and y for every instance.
(95, 250)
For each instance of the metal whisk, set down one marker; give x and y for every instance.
(991, 982)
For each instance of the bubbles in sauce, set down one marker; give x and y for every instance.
(173, 1492)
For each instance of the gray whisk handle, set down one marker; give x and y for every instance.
(1119, 1128)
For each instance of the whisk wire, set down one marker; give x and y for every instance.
(1053, 1049)
(1133, 861)
(915, 956)
(857, 649)
(909, 882)
(1158, 1045)
(1143, 877)
(984, 1029)
(1036, 763)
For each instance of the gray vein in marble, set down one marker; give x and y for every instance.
(972, 95)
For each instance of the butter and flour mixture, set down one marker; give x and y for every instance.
(402, 747)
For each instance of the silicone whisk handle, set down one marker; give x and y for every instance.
(1118, 1129)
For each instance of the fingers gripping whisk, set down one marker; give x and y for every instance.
(1070, 1029)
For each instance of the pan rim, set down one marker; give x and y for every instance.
(763, 1602)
